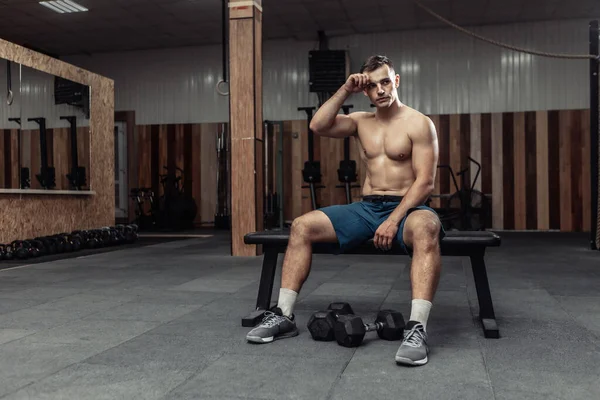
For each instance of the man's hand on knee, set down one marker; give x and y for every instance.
(385, 235)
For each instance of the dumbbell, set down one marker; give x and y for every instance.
(350, 329)
(321, 324)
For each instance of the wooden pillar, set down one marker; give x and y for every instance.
(245, 115)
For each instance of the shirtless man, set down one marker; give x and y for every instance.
(400, 151)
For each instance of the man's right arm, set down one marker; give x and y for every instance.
(327, 122)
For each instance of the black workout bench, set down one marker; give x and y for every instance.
(470, 244)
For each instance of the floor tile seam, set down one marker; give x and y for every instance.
(477, 322)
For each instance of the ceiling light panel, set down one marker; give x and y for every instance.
(63, 6)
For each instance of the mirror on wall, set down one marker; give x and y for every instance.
(10, 124)
(55, 131)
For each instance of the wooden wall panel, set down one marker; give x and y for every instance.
(576, 167)
(26, 154)
(554, 170)
(530, 171)
(455, 153)
(508, 169)
(288, 172)
(3, 159)
(208, 165)
(486, 154)
(586, 196)
(541, 171)
(14, 151)
(519, 172)
(497, 172)
(446, 184)
(298, 134)
(535, 165)
(61, 148)
(564, 140)
(361, 172)
(474, 150)
(6, 162)
(196, 166)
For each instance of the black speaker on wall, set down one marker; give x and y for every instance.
(328, 70)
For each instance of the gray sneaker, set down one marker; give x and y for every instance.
(414, 349)
(274, 326)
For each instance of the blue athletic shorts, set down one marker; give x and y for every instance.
(357, 222)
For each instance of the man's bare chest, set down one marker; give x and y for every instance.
(392, 141)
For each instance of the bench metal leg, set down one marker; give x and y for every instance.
(486, 308)
(267, 278)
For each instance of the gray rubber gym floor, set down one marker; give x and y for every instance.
(163, 322)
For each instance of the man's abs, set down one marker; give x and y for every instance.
(387, 177)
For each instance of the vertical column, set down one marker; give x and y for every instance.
(245, 115)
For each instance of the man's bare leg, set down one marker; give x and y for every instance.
(312, 227)
(421, 233)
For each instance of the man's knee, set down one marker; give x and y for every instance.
(306, 227)
(422, 229)
(300, 226)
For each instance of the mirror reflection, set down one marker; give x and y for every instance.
(55, 132)
(10, 124)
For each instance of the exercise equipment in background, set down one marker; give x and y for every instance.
(47, 175)
(178, 209)
(312, 169)
(467, 209)
(76, 177)
(273, 173)
(69, 242)
(145, 216)
(347, 169)
(222, 216)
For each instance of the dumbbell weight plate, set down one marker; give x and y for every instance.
(393, 325)
(320, 324)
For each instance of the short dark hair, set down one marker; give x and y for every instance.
(374, 62)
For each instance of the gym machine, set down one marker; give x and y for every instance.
(178, 209)
(47, 175)
(347, 170)
(312, 169)
(77, 176)
(222, 217)
(273, 204)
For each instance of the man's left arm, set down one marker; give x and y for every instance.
(425, 153)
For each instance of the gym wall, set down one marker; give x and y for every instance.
(468, 87)
(534, 166)
(25, 215)
(442, 72)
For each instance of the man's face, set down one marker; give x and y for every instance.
(382, 86)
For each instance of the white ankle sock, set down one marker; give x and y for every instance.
(420, 311)
(287, 299)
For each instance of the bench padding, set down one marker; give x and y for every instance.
(454, 240)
